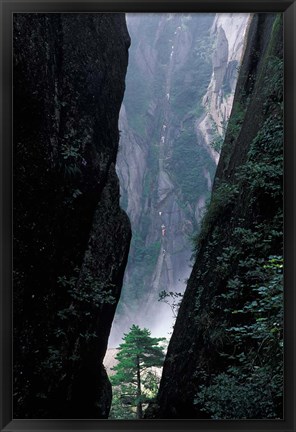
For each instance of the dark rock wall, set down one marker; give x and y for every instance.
(242, 228)
(71, 239)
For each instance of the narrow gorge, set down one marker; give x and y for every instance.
(179, 90)
(148, 216)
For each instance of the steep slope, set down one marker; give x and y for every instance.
(166, 164)
(229, 31)
(71, 238)
(224, 359)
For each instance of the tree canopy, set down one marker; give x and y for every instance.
(136, 380)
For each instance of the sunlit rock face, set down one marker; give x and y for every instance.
(179, 68)
(71, 238)
(230, 30)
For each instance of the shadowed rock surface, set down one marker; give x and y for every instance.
(241, 231)
(71, 238)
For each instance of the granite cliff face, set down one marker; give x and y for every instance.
(71, 238)
(229, 31)
(227, 343)
(175, 98)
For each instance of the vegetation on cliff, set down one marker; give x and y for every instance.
(71, 238)
(225, 357)
(165, 167)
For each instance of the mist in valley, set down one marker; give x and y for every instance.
(179, 90)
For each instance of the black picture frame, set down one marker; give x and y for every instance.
(7, 8)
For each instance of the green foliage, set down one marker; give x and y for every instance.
(217, 143)
(217, 140)
(263, 172)
(135, 383)
(73, 144)
(236, 120)
(224, 261)
(274, 79)
(241, 242)
(121, 406)
(76, 193)
(147, 253)
(74, 323)
(90, 292)
(172, 299)
(138, 343)
(223, 197)
(187, 165)
(262, 176)
(252, 385)
(234, 395)
(266, 311)
(70, 152)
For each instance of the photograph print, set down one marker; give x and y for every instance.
(148, 216)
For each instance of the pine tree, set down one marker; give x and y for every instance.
(138, 353)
